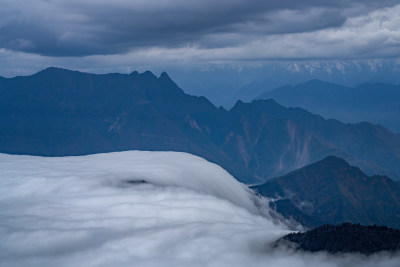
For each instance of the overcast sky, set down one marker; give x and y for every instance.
(83, 34)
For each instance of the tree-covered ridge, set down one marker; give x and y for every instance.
(346, 238)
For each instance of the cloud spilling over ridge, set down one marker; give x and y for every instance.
(96, 211)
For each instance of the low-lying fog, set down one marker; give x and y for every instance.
(140, 209)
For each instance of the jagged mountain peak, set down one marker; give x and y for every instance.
(258, 104)
(148, 74)
(164, 77)
(134, 73)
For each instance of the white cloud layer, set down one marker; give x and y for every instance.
(80, 211)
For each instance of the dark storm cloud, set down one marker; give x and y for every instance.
(80, 28)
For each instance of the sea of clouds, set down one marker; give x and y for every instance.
(140, 209)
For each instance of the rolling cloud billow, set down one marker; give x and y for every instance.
(141, 209)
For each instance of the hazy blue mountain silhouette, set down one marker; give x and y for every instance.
(331, 191)
(373, 102)
(224, 86)
(58, 112)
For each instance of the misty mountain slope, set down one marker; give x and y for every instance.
(280, 139)
(374, 102)
(58, 112)
(331, 191)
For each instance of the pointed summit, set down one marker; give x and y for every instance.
(148, 74)
(134, 73)
(164, 77)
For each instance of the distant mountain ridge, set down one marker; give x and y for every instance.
(331, 191)
(373, 102)
(224, 85)
(58, 112)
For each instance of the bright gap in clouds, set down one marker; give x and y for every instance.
(139, 209)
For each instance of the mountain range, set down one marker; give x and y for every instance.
(58, 112)
(373, 102)
(224, 85)
(331, 191)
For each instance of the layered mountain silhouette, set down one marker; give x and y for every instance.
(58, 112)
(331, 191)
(224, 86)
(374, 102)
